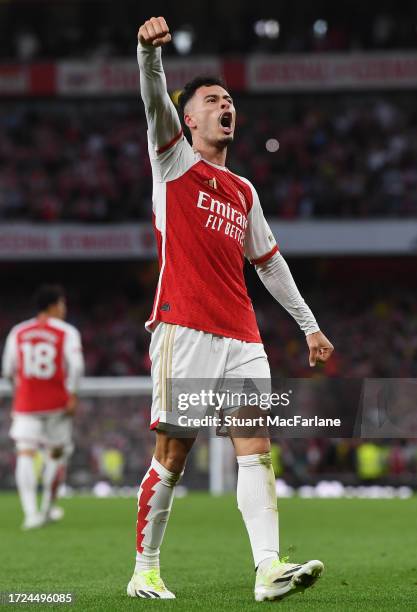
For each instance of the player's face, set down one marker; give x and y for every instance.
(61, 307)
(211, 115)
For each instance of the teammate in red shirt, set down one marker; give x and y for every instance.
(43, 359)
(207, 220)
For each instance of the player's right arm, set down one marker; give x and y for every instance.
(9, 360)
(164, 126)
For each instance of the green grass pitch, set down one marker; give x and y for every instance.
(368, 548)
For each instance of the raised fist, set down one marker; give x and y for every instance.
(154, 32)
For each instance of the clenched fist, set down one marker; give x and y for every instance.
(154, 32)
(320, 348)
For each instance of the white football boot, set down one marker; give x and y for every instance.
(33, 521)
(280, 579)
(148, 584)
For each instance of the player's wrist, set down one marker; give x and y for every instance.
(147, 48)
(312, 330)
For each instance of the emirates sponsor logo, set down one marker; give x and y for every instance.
(223, 217)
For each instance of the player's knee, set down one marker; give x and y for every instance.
(57, 452)
(251, 446)
(172, 456)
(26, 448)
(171, 452)
(26, 453)
(173, 461)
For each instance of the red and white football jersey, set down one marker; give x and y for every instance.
(44, 359)
(206, 220)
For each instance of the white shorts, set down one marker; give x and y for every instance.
(179, 353)
(31, 430)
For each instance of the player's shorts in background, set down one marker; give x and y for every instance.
(179, 352)
(47, 430)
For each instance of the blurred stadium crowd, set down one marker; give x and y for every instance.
(34, 29)
(374, 332)
(362, 326)
(113, 444)
(308, 158)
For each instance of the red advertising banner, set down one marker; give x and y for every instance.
(19, 242)
(330, 72)
(24, 241)
(258, 73)
(122, 76)
(14, 80)
(27, 80)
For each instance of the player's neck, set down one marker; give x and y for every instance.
(48, 314)
(211, 154)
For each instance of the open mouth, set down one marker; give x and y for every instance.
(226, 121)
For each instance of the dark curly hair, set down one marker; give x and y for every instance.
(48, 295)
(191, 87)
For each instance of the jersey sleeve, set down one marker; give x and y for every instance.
(169, 151)
(9, 360)
(74, 360)
(260, 244)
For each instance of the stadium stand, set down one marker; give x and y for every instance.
(338, 157)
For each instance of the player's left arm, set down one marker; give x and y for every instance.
(277, 278)
(262, 250)
(9, 360)
(74, 361)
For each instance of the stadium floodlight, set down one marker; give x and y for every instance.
(183, 40)
(320, 28)
(267, 28)
(272, 145)
(271, 28)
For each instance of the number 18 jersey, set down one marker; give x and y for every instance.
(40, 355)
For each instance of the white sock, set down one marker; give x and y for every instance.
(51, 478)
(257, 501)
(26, 483)
(155, 497)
